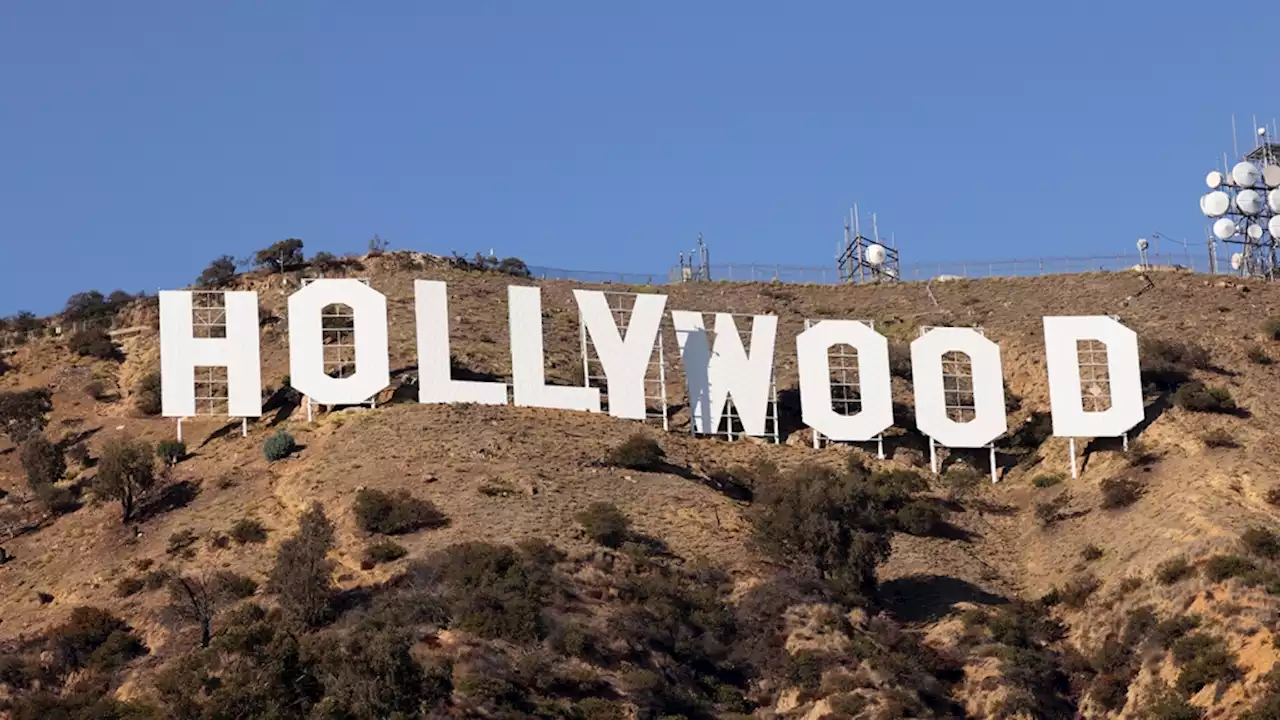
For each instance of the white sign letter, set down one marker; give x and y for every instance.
(874, 389)
(181, 353)
(725, 370)
(989, 420)
(306, 342)
(1061, 341)
(528, 372)
(435, 374)
(625, 360)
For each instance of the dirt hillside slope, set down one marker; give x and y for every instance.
(506, 474)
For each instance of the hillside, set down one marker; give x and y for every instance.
(962, 623)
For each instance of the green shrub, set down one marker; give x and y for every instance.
(1167, 632)
(1261, 542)
(383, 551)
(234, 585)
(605, 524)
(1170, 706)
(94, 638)
(1091, 552)
(279, 446)
(1174, 570)
(395, 514)
(248, 530)
(1223, 567)
(1197, 397)
(1166, 364)
(960, 480)
(1210, 664)
(638, 452)
(171, 452)
(1046, 481)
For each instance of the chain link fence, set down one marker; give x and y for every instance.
(809, 275)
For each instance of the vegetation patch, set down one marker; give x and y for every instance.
(396, 513)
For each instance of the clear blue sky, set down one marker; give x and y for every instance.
(141, 139)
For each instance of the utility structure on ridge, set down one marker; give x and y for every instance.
(697, 266)
(1244, 204)
(863, 260)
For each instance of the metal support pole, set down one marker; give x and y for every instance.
(993, 462)
(933, 457)
(179, 429)
(1075, 472)
(880, 446)
(244, 427)
(1125, 437)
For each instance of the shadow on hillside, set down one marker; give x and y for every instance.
(283, 402)
(78, 438)
(172, 497)
(221, 432)
(927, 598)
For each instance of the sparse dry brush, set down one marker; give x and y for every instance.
(395, 513)
(638, 452)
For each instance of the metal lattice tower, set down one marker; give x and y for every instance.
(866, 260)
(1243, 203)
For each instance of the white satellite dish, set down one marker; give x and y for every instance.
(1249, 202)
(1213, 180)
(1271, 176)
(1237, 260)
(1273, 200)
(1273, 225)
(1215, 204)
(1142, 244)
(1254, 231)
(875, 254)
(1245, 174)
(1224, 229)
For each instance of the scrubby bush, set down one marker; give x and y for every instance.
(383, 551)
(1091, 552)
(93, 342)
(1166, 364)
(280, 256)
(96, 390)
(180, 541)
(919, 517)
(900, 360)
(1261, 542)
(248, 530)
(1046, 480)
(219, 273)
(130, 585)
(1174, 570)
(1271, 328)
(395, 514)
(302, 574)
(638, 452)
(279, 446)
(1258, 356)
(1120, 492)
(22, 412)
(837, 525)
(1218, 438)
(1224, 567)
(1205, 664)
(960, 480)
(94, 638)
(1198, 397)
(171, 452)
(1051, 511)
(493, 591)
(147, 397)
(43, 462)
(126, 473)
(605, 524)
(1078, 590)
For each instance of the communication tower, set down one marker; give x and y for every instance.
(698, 265)
(1244, 204)
(862, 259)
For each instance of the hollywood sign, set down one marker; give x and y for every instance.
(717, 366)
